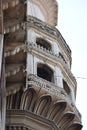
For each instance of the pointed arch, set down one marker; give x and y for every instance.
(28, 99)
(43, 105)
(56, 109)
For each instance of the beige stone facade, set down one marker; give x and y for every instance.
(37, 87)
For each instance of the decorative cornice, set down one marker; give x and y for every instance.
(35, 81)
(12, 51)
(25, 118)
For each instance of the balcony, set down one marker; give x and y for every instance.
(51, 88)
(34, 48)
(50, 30)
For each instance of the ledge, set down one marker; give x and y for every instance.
(25, 118)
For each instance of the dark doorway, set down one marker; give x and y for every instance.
(45, 72)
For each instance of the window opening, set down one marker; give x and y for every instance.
(45, 72)
(43, 43)
(66, 88)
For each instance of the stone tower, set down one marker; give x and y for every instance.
(37, 87)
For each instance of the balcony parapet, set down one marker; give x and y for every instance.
(51, 30)
(48, 86)
(55, 57)
(46, 51)
(52, 89)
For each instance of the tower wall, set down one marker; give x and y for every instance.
(40, 87)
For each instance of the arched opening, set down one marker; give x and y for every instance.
(45, 72)
(43, 105)
(43, 43)
(56, 110)
(28, 100)
(66, 88)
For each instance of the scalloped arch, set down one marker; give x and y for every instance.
(66, 118)
(49, 9)
(56, 109)
(43, 104)
(27, 99)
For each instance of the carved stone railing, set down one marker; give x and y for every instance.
(32, 21)
(44, 50)
(51, 88)
(51, 54)
(14, 50)
(48, 86)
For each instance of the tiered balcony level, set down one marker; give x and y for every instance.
(51, 31)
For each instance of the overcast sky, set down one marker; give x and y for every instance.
(72, 23)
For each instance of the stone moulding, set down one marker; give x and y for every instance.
(25, 118)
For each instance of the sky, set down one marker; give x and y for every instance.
(72, 23)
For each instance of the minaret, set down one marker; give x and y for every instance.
(40, 87)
